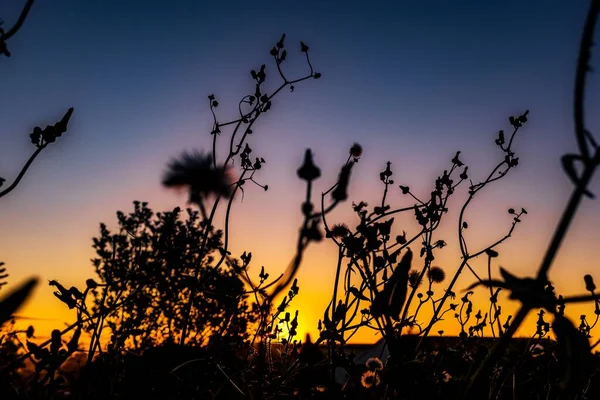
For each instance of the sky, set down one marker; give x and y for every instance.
(412, 82)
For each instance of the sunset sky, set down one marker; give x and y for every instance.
(413, 82)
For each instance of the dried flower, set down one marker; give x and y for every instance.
(374, 364)
(414, 279)
(339, 230)
(369, 379)
(436, 274)
(356, 150)
(197, 172)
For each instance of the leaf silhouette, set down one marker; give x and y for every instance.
(390, 301)
(574, 354)
(13, 300)
(358, 294)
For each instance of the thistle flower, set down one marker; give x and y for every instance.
(370, 379)
(436, 274)
(374, 364)
(196, 172)
(339, 230)
(356, 150)
(413, 279)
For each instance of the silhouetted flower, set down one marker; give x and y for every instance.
(374, 364)
(308, 171)
(369, 379)
(436, 274)
(356, 150)
(456, 161)
(339, 230)
(197, 172)
(589, 283)
(413, 279)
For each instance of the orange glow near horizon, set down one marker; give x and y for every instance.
(140, 98)
(271, 237)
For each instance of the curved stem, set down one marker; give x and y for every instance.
(23, 171)
(580, 77)
(19, 22)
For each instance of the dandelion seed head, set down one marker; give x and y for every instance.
(369, 379)
(374, 364)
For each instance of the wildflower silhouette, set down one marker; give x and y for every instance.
(374, 364)
(370, 379)
(7, 34)
(436, 274)
(183, 317)
(40, 138)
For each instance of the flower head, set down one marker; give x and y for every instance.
(339, 230)
(369, 379)
(374, 364)
(414, 278)
(196, 172)
(436, 274)
(308, 171)
(356, 150)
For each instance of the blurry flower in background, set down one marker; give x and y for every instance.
(196, 172)
(370, 379)
(374, 364)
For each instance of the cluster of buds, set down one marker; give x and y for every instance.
(42, 137)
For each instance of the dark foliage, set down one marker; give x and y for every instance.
(185, 319)
(150, 263)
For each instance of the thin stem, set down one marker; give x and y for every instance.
(12, 31)
(580, 77)
(23, 171)
(567, 217)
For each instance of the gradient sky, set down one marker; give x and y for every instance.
(413, 82)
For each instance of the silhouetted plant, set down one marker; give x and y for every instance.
(7, 34)
(150, 262)
(195, 172)
(40, 138)
(371, 251)
(533, 292)
(187, 319)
